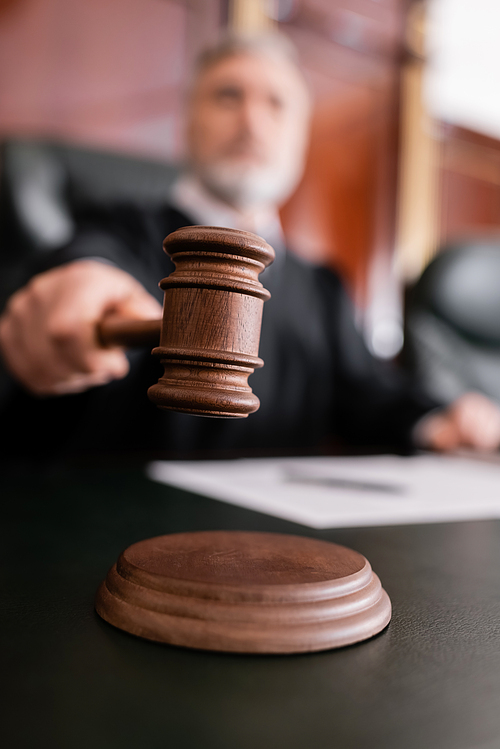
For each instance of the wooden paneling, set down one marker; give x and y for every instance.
(103, 72)
(470, 184)
(343, 213)
(332, 217)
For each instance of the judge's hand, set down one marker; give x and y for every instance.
(472, 421)
(48, 330)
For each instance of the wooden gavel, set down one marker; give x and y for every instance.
(228, 590)
(210, 331)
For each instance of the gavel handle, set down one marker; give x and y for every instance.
(114, 330)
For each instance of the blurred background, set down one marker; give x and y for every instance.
(405, 153)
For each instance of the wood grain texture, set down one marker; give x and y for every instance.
(115, 330)
(210, 331)
(244, 592)
(211, 321)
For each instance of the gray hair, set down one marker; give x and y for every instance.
(271, 44)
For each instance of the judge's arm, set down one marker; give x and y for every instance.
(48, 330)
(471, 421)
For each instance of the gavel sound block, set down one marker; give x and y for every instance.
(224, 590)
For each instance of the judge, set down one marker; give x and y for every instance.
(320, 389)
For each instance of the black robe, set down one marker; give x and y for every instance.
(320, 390)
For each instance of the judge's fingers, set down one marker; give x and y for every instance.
(477, 420)
(472, 421)
(47, 354)
(438, 432)
(47, 334)
(138, 304)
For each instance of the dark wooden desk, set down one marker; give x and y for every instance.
(70, 681)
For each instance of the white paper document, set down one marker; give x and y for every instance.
(346, 492)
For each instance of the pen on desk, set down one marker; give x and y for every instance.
(345, 483)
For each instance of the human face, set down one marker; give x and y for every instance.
(247, 129)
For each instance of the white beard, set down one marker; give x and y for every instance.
(245, 186)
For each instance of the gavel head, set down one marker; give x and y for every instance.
(211, 321)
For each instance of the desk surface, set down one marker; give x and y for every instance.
(71, 681)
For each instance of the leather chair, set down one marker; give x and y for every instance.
(43, 184)
(453, 321)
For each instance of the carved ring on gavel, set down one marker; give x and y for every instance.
(212, 314)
